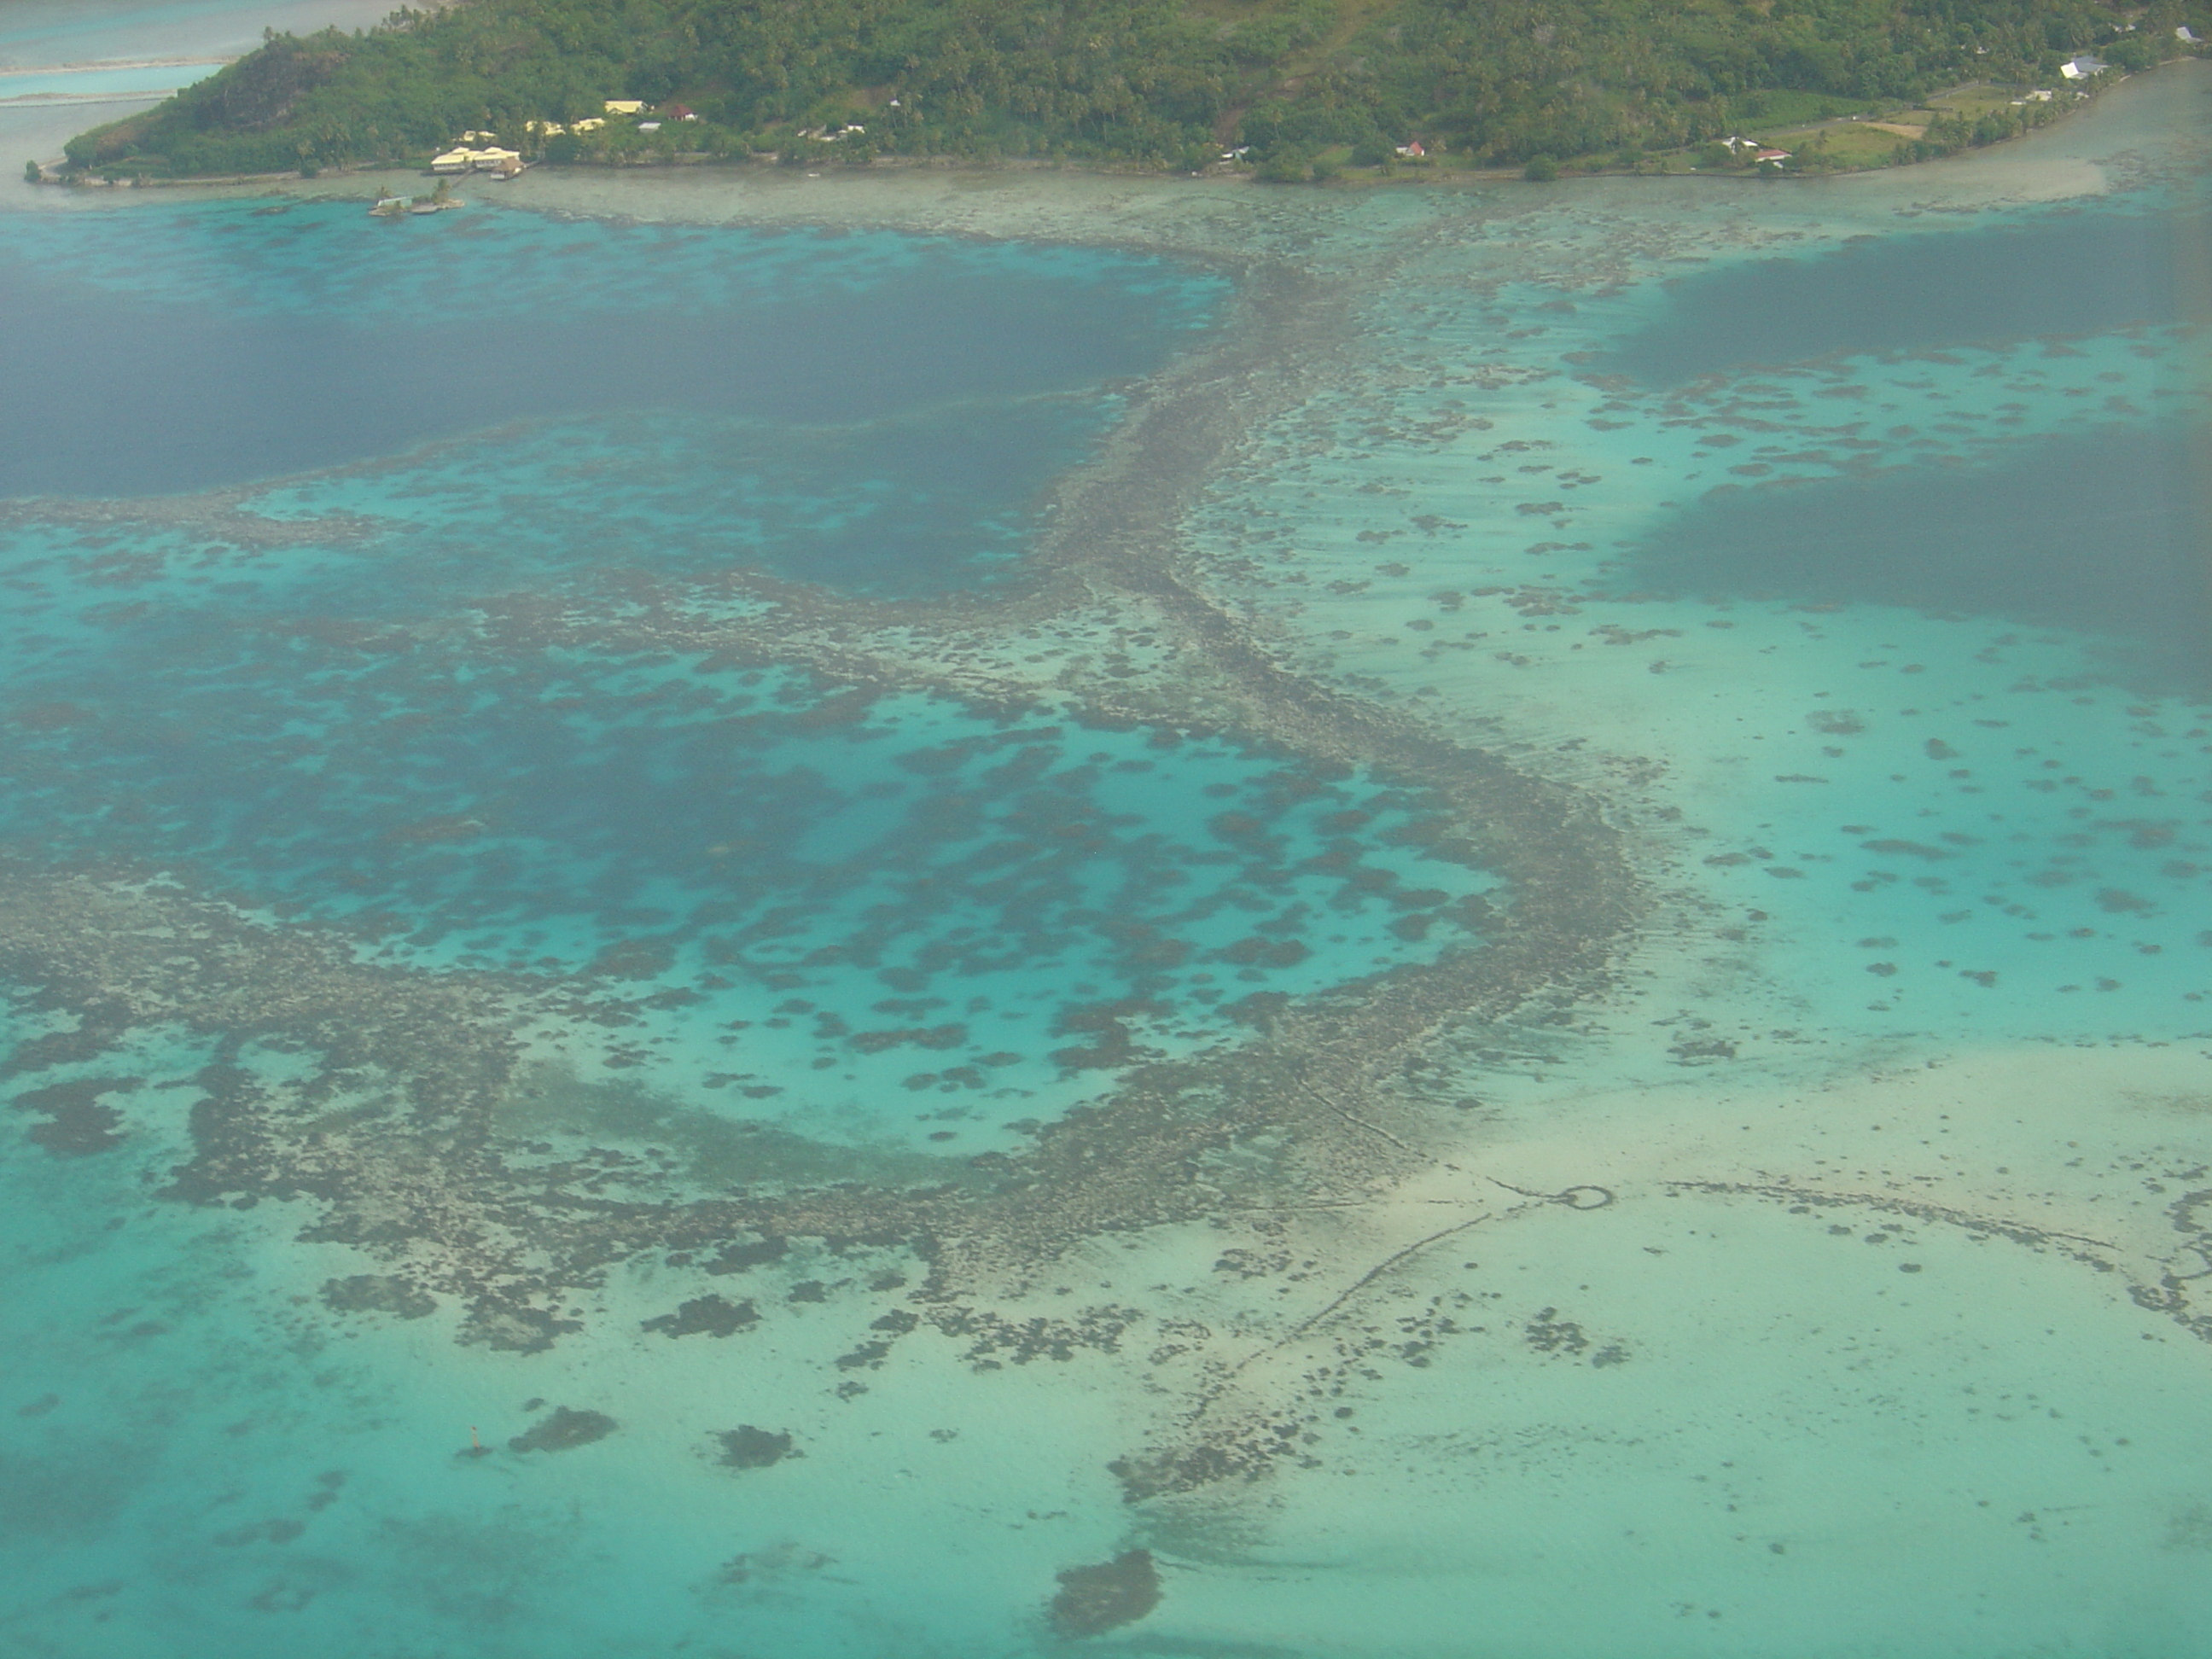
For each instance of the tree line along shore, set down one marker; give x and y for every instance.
(1290, 90)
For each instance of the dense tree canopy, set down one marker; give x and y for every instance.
(1156, 80)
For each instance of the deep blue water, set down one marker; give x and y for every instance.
(2100, 532)
(2069, 272)
(1943, 505)
(916, 503)
(177, 349)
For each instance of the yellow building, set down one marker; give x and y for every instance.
(473, 160)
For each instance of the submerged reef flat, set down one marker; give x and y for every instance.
(1315, 1068)
(469, 1215)
(1472, 935)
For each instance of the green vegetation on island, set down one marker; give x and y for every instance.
(1296, 88)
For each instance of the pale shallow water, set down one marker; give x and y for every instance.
(512, 813)
(66, 65)
(39, 33)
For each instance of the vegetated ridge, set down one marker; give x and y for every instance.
(1161, 82)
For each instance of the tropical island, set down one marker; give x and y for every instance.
(1292, 89)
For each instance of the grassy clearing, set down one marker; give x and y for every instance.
(1786, 109)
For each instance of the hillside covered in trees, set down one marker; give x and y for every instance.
(1165, 82)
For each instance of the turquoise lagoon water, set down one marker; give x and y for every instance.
(120, 84)
(844, 914)
(1950, 581)
(39, 32)
(1874, 628)
(929, 895)
(1862, 528)
(66, 64)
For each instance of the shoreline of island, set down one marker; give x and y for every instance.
(766, 163)
(769, 165)
(1966, 119)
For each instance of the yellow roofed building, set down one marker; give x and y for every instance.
(473, 160)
